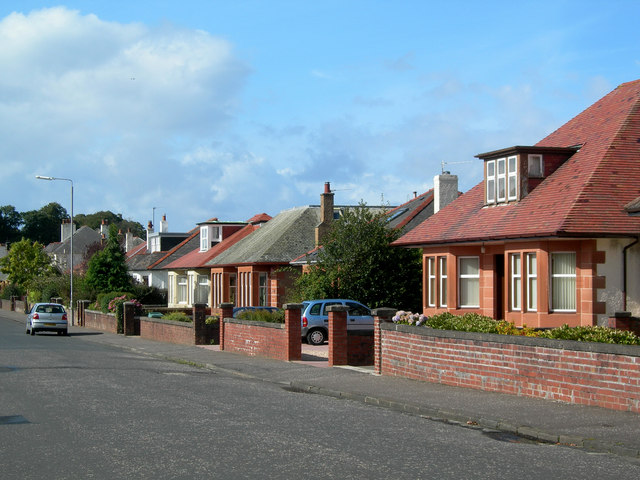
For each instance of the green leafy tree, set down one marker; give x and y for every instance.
(357, 262)
(43, 225)
(25, 262)
(94, 220)
(107, 269)
(10, 221)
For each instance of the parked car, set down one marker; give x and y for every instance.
(239, 310)
(47, 317)
(315, 318)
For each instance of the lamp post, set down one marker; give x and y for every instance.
(41, 177)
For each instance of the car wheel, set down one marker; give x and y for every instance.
(33, 331)
(65, 333)
(316, 337)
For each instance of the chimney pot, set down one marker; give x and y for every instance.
(327, 187)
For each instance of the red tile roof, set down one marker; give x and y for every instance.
(197, 259)
(586, 196)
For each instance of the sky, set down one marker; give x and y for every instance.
(199, 109)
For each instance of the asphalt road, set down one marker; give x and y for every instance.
(74, 409)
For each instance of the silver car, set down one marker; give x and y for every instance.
(47, 317)
(315, 318)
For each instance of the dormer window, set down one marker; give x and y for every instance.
(208, 235)
(204, 239)
(536, 166)
(502, 180)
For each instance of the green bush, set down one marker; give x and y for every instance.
(178, 317)
(473, 322)
(262, 316)
(147, 295)
(212, 320)
(12, 290)
(592, 334)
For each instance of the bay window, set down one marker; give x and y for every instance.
(431, 281)
(532, 282)
(443, 281)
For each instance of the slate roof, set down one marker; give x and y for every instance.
(585, 197)
(283, 238)
(83, 238)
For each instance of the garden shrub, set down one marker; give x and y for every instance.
(178, 317)
(473, 322)
(262, 316)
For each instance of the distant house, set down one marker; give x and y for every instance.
(189, 279)
(551, 235)
(143, 261)
(407, 216)
(84, 239)
(256, 271)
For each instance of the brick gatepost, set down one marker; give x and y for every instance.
(226, 311)
(128, 314)
(199, 327)
(338, 335)
(293, 330)
(380, 315)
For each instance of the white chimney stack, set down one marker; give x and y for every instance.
(445, 190)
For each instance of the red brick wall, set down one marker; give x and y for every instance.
(255, 338)
(360, 348)
(574, 372)
(167, 331)
(100, 321)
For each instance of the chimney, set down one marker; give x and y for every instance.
(66, 229)
(104, 229)
(326, 213)
(445, 190)
(128, 240)
(149, 232)
(164, 226)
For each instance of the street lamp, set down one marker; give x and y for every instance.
(41, 177)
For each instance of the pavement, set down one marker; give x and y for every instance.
(507, 417)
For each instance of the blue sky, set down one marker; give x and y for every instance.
(233, 108)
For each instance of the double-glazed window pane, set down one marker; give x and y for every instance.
(262, 289)
(491, 181)
(469, 281)
(532, 282)
(516, 281)
(202, 289)
(513, 178)
(431, 279)
(563, 280)
(443, 281)
(182, 289)
(502, 180)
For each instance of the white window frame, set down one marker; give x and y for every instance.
(204, 239)
(491, 181)
(512, 177)
(462, 278)
(501, 178)
(431, 281)
(182, 290)
(536, 160)
(515, 270)
(559, 277)
(442, 270)
(202, 289)
(532, 281)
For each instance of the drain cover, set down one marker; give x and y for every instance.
(13, 420)
(507, 437)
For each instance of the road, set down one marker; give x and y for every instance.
(71, 408)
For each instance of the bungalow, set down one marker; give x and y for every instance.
(551, 235)
(189, 279)
(256, 271)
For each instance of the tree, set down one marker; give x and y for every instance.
(356, 261)
(94, 220)
(107, 269)
(10, 221)
(43, 225)
(25, 262)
